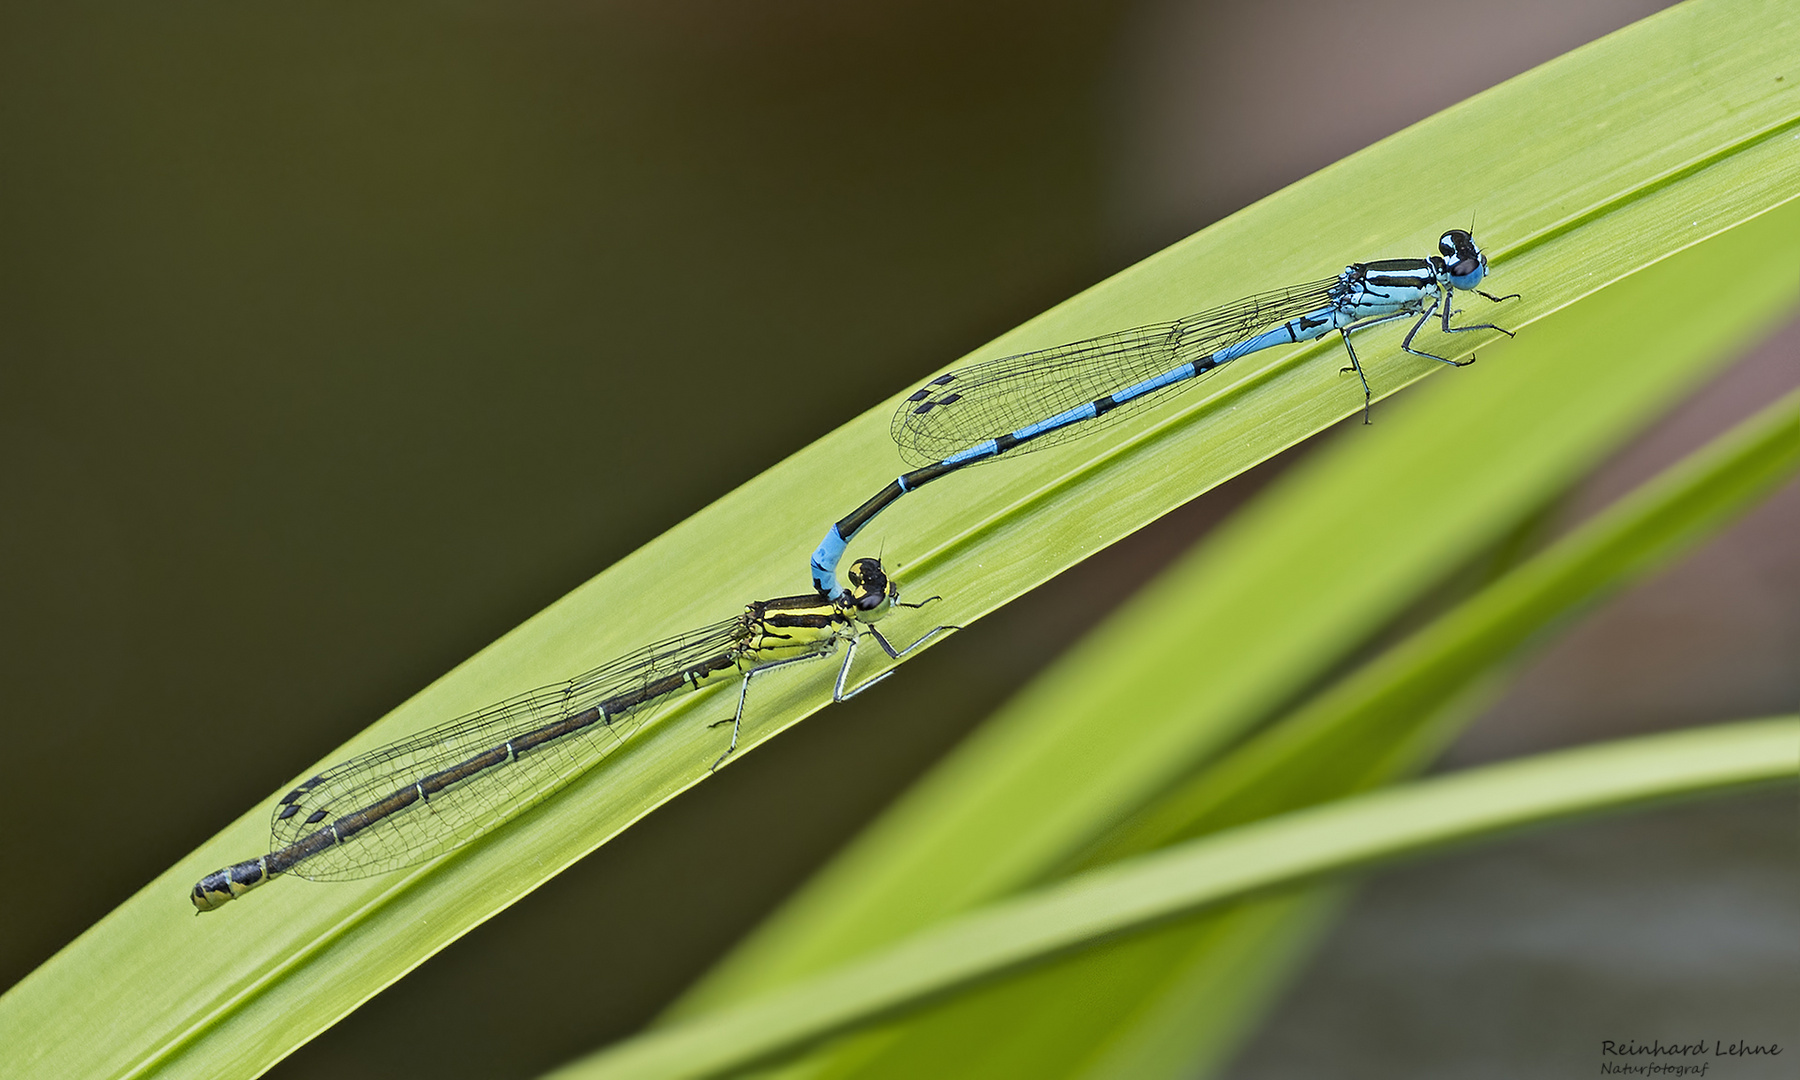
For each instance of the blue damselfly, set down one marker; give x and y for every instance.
(1037, 399)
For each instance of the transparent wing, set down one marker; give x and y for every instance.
(984, 401)
(418, 798)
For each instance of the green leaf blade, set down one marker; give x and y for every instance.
(1363, 831)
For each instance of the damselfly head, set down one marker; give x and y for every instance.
(1466, 263)
(871, 591)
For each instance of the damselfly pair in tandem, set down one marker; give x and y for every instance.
(432, 792)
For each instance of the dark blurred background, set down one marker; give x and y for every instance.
(334, 345)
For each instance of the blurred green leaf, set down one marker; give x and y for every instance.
(1350, 834)
(1343, 740)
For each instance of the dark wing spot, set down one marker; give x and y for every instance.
(302, 789)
